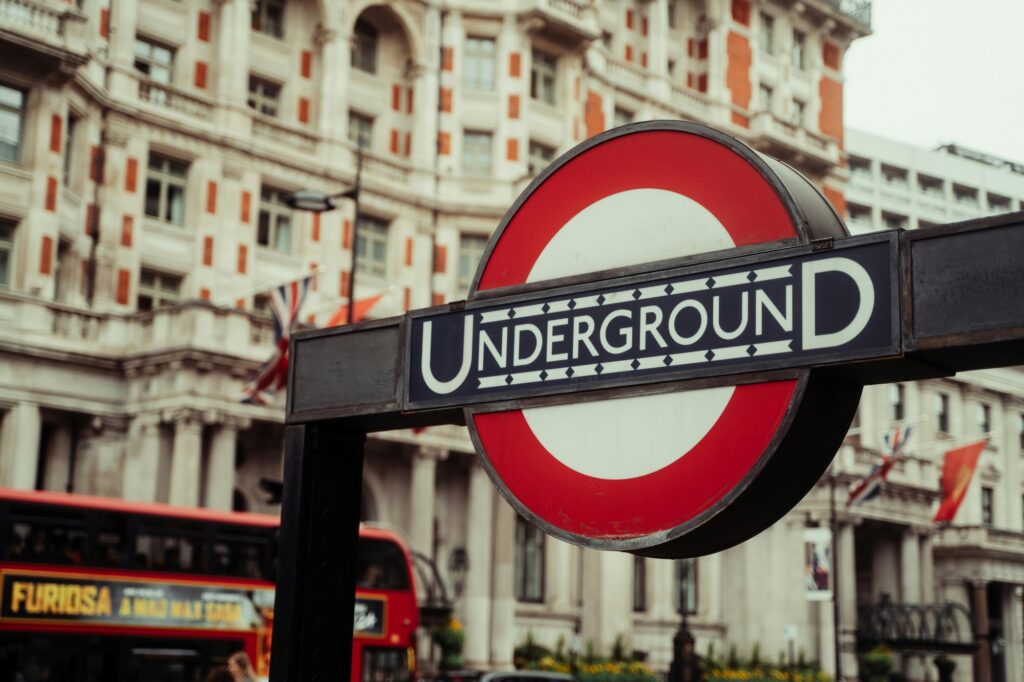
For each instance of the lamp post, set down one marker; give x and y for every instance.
(320, 202)
(684, 660)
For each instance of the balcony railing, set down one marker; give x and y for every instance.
(47, 325)
(52, 25)
(174, 99)
(570, 21)
(284, 135)
(981, 539)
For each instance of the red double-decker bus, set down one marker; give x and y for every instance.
(105, 589)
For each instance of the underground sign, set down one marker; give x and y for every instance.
(648, 355)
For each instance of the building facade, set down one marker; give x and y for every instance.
(145, 152)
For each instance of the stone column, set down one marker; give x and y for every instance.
(503, 605)
(421, 500)
(220, 467)
(232, 73)
(847, 584)
(910, 577)
(657, 58)
(910, 590)
(425, 94)
(19, 447)
(927, 563)
(558, 561)
(186, 456)
(979, 608)
(1013, 627)
(335, 65)
(123, 20)
(142, 459)
(476, 600)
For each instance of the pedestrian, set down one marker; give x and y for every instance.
(219, 674)
(241, 667)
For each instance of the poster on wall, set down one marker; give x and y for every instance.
(818, 564)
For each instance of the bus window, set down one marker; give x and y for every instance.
(160, 550)
(241, 558)
(42, 541)
(386, 665)
(381, 565)
(109, 548)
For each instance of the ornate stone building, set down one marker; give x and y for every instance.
(145, 152)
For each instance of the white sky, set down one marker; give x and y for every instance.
(937, 71)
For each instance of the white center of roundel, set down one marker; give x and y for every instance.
(629, 437)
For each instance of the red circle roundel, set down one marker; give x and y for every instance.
(636, 472)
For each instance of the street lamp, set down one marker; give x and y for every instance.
(319, 202)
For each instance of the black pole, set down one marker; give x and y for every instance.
(316, 579)
(355, 233)
(834, 526)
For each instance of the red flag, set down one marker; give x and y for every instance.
(363, 306)
(957, 471)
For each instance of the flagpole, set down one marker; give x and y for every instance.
(834, 526)
(355, 232)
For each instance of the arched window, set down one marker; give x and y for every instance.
(364, 46)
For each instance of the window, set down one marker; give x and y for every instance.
(529, 561)
(6, 246)
(685, 585)
(372, 247)
(799, 111)
(471, 250)
(478, 71)
(622, 116)
(360, 129)
(930, 185)
(12, 114)
(965, 195)
(897, 401)
(165, 189)
(942, 412)
(859, 213)
(540, 156)
(767, 36)
(154, 60)
(157, 289)
(69, 149)
(859, 165)
(275, 227)
(476, 153)
(986, 506)
(765, 94)
(894, 221)
(985, 418)
(998, 204)
(639, 584)
(799, 53)
(264, 96)
(364, 47)
(894, 176)
(543, 74)
(268, 17)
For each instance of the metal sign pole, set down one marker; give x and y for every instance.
(316, 581)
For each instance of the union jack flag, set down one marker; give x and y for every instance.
(871, 485)
(285, 304)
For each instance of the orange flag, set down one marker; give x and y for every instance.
(363, 306)
(957, 471)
